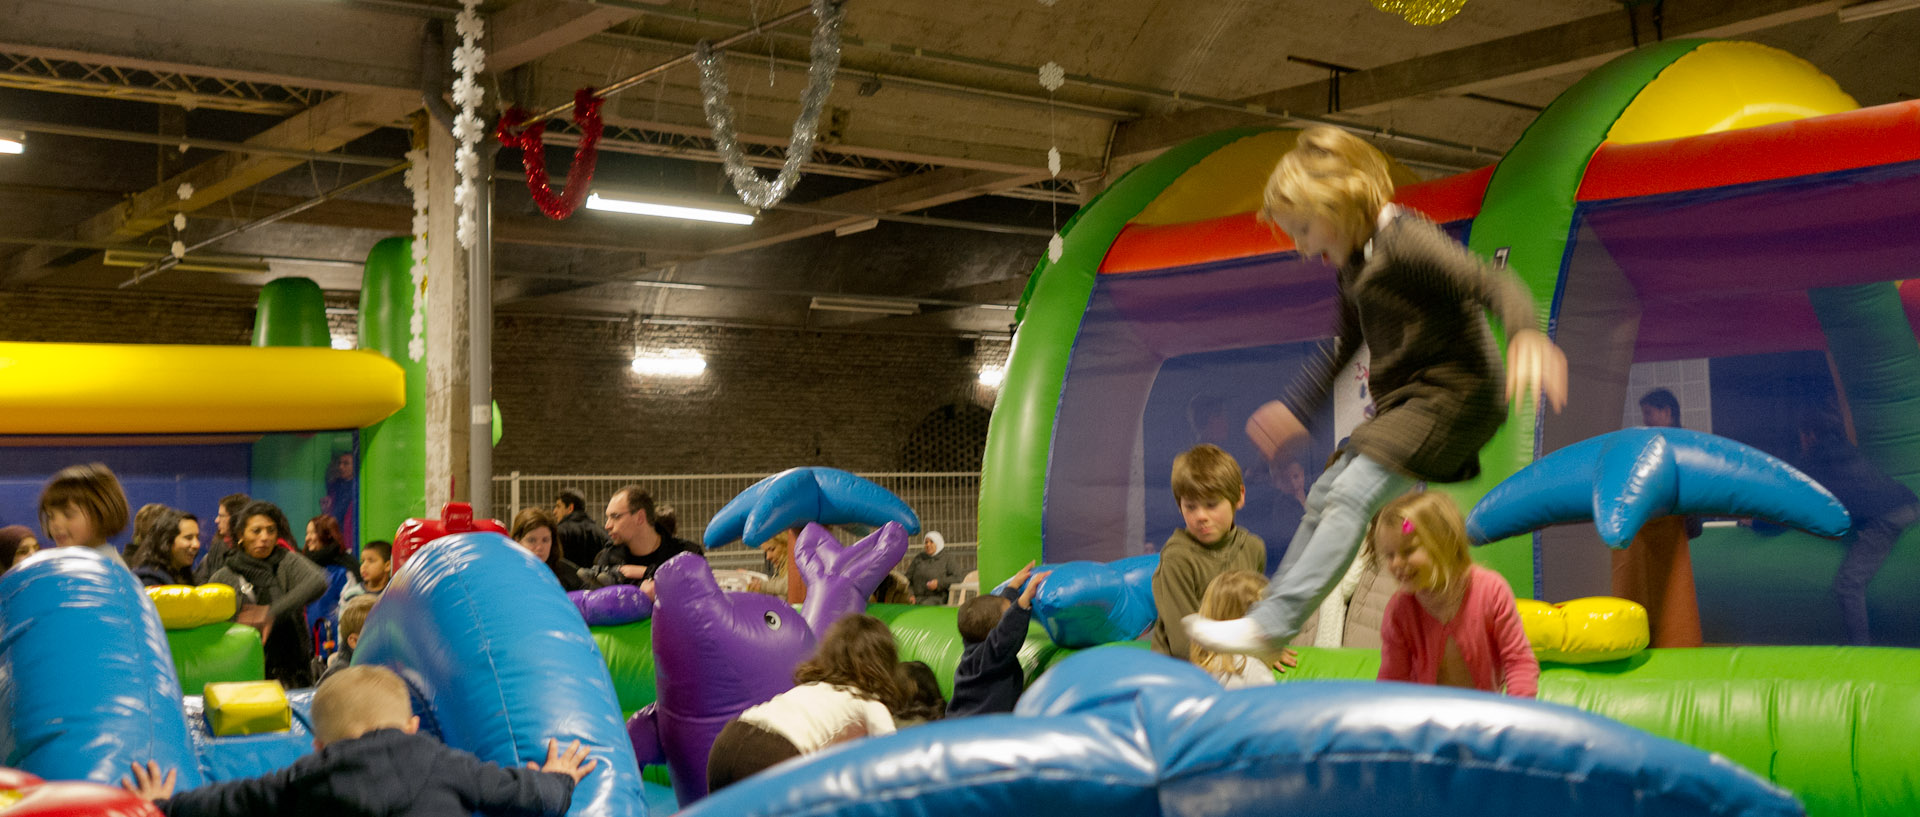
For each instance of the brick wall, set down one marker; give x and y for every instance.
(770, 399)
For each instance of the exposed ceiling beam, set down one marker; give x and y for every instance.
(931, 189)
(516, 39)
(1551, 51)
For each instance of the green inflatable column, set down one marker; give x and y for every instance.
(1878, 359)
(393, 452)
(290, 469)
(1013, 476)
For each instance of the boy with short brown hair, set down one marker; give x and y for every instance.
(1207, 484)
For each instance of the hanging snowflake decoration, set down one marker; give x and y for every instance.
(713, 92)
(179, 249)
(416, 179)
(1055, 246)
(185, 190)
(469, 59)
(179, 221)
(1052, 76)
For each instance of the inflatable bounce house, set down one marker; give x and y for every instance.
(290, 421)
(1691, 199)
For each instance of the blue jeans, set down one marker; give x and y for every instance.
(1339, 506)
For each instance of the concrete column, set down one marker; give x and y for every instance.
(448, 381)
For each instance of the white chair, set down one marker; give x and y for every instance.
(737, 581)
(968, 587)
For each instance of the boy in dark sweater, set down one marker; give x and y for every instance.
(992, 628)
(370, 760)
(1207, 484)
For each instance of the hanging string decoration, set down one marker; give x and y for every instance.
(753, 190)
(416, 179)
(1422, 12)
(586, 117)
(1052, 77)
(469, 59)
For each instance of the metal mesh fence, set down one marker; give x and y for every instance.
(947, 502)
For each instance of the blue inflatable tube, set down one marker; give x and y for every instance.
(87, 685)
(485, 634)
(1086, 604)
(1120, 733)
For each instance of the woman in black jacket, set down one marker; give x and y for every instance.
(536, 531)
(164, 555)
(275, 586)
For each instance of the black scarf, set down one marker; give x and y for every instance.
(261, 573)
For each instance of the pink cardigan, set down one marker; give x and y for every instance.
(1487, 630)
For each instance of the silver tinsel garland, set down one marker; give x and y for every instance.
(754, 190)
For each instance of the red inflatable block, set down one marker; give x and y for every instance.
(455, 517)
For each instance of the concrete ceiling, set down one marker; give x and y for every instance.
(937, 125)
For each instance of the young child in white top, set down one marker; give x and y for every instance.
(1227, 597)
(846, 691)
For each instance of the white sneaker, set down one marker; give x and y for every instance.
(1239, 636)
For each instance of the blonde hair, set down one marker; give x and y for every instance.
(1227, 597)
(358, 700)
(353, 614)
(1330, 174)
(1206, 472)
(1436, 528)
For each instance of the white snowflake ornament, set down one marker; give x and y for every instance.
(1052, 76)
(1055, 246)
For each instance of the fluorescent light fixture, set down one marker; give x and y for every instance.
(13, 141)
(993, 376)
(670, 363)
(876, 306)
(344, 343)
(1875, 8)
(622, 204)
(1000, 307)
(235, 264)
(845, 230)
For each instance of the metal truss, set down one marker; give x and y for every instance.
(157, 87)
(1058, 191)
(651, 142)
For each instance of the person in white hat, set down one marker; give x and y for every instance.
(931, 571)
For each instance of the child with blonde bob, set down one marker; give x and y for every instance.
(1228, 596)
(1418, 301)
(1452, 623)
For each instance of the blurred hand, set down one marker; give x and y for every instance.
(1275, 430)
(147, 782)
(1536, 368)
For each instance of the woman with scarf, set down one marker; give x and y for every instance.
(931, 571)
(275, 586)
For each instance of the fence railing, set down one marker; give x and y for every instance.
(946, 502)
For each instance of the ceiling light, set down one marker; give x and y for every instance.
(703, 212)
(344, 343)
(845, 230)
(670, 363)
(1875, 8)
(13, 141)
(876, 306)
(993, 376)
(234, 264)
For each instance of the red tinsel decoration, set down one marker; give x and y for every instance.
(586, 115)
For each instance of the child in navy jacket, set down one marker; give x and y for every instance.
(992, 628)
(370, 760)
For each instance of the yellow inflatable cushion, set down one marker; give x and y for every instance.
(1584, 631)
(247, 708)
(184, 608)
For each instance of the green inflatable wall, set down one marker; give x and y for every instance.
(290, 469)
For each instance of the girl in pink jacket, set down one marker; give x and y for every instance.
(1453, 623)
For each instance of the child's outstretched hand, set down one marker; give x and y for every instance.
(1020, 579)
(1288, 660)
(1536, 367)
(147, 782)
(567, 762)
(1033, 586)
(1276, 431)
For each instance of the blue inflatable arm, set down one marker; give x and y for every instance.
(86, 677)
(1085, 604)
(1621, 479)
(485, 635)
(797, 496)
(1121, 733)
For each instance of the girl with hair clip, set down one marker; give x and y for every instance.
(847, 690)
(1417, 300)
(1452, 623)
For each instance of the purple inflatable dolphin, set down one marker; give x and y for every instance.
(717, 653)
